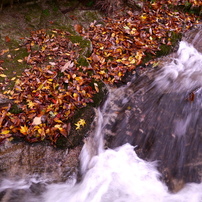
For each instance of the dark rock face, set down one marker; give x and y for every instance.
(163, 126)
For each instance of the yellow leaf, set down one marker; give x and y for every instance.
(143, 16)
(119, 60)
(120, 74)
(24, 130)
(58, 126)
(101, 72)
(4, 132)
(80, 123)
(40, 87)
(31, 104)
(20, 60)
(126, 27)
(32, 43)
(43, 48)
(3, 75)
(57, 120)
(134, 31)
(139, 55)
(132, 60)
(42, 133)
(13, 78)
(17, 82)
(75, 95)
(4, 51)
(119, 50)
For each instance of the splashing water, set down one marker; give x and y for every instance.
(120, 176)
(184, 72)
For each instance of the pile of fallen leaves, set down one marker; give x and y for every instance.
(55, 86)
(121, 44)
(195, 3)
(48, 93)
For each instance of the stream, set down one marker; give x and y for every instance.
(146, 145)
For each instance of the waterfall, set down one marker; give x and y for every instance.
(118, 174)
(152, 129)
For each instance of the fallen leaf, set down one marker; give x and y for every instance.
(4, 132)
(78, 28)
(20, 60)
(7, 39)
(37, 120)
(80, 123)
(24, 130)
(68, 65)
(4, 51)
(3, 75)
(96, 87)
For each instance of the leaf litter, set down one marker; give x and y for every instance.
(48, 94)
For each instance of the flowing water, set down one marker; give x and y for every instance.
(146, 145)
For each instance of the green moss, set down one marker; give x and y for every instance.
(82, 61)
(15, 109)
(12, 63)
(46, 12)
(99, 97)
(90, 15)
(90, 3)
(84, 44)
(33, 17)
(174, 38)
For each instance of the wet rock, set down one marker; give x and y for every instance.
(164, 124)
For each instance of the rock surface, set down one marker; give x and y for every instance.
(20, 160)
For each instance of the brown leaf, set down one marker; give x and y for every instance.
(3, 115)
(68, 65)
(95, 58)
(7, 39)
(78, 28)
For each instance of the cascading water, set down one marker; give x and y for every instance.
(155, 117)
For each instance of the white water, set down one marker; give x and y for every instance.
(119, 175)
(184, 72)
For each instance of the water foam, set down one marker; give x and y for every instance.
(121, 176)
(115, 176)
(184, 72)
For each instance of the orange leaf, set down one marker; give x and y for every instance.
(7, 39)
